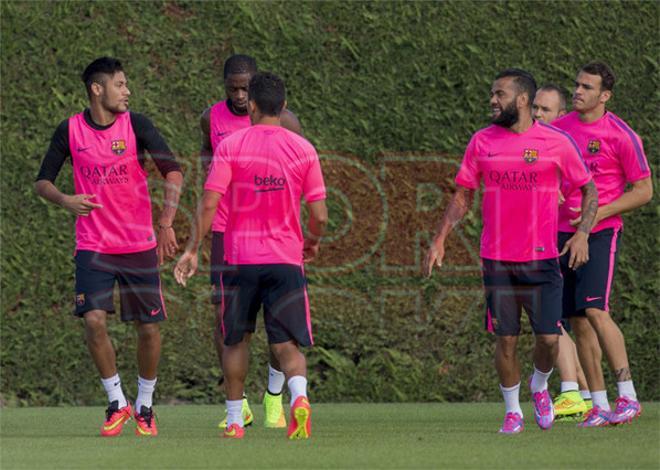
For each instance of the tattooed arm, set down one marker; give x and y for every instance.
(578, 244)
(458, 206)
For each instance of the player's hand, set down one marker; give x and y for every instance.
(185, 267)
(80, 204)
(311, 249)
(434, 255)
(578, 245)
(562, 199)
(167, 245)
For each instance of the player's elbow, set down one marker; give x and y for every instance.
(644, 190)
(39, 187)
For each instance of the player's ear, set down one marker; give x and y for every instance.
(605, 96)
(284, 105)
(97, 89)
(522, 100)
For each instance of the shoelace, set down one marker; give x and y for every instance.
(544, 403)
(621, 404)
(111, 410)
(510, 420)
(147, 417)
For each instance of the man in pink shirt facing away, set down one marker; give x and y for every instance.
(266, 169)
(217, 123)
(115, 239)
(520, 163)
(615, 156)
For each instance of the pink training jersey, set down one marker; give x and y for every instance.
(223, 122)
(105, 164)
(269, 169)
(521, 174)
(615, 156)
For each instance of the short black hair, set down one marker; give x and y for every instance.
(268, 91)
(560, 92)
(524, 81)
(239, 63)
(99, 67)
(604, 71)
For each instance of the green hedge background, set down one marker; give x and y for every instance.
(390, 92)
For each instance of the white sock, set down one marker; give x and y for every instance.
(234, 412)
(627, 389)
(600, 399)
(145, 393)
(569, 387)
(297, 387)
(585, 394)
(540, 380)
(112, 387)
(511, 399)
(275, 380)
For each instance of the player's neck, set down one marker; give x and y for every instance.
(100, 115)
(523, 124)
(268, 121)
(592, 115)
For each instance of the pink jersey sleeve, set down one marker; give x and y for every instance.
(220, 174)
(313, 186)
(631, 154)
(469, 174)
(574, 171)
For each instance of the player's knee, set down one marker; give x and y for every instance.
(148, 331)
(95, 323)
(598, 318)
(547, 341)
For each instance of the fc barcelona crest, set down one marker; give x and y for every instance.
(118, 146)
(594, 146)
(531, 155)
(80, 299)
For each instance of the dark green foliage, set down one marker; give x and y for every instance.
(366, 79)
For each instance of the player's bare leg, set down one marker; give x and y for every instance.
(506, 360)
(294, 366)
(99, 344)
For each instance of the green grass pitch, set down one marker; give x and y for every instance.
(343, 436)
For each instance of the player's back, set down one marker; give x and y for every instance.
(270, 172)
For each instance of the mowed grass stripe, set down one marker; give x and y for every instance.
(344, 436)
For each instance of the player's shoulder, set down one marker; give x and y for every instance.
(140, 120)
(486, 133)
(566, 121)
(553, 133)
(618, 125)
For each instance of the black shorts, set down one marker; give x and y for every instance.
(139, 284)
(590, 285)
(280, 288)
(535, 285)
(218, 264)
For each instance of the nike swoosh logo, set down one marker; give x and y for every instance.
(230, 433)
(591, 299)
(220, 134)
(154, 312)
(115, 384)
(82, 149)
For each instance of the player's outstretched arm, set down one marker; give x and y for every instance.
(77, 204)
(318, 219)
(187, 264)
(458, 206)
(578, 244)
